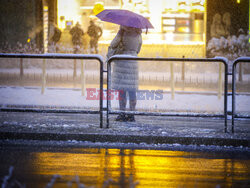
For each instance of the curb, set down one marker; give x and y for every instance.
(126, 139)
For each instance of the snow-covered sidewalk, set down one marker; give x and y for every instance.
(146, 129)
(161, 101)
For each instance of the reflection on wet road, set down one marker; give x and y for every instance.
(124, 168)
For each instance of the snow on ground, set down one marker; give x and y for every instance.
(171, 147)
(59, 97)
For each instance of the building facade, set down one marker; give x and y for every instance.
(178, 24)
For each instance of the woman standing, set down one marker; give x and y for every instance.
(125, 73)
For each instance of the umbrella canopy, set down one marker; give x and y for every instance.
(125, 18)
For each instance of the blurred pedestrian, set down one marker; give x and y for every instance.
(125, 73)
(54, 37)
(217, 29)
(77, 33)
(95, 32)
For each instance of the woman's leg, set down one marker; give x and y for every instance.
(122, 100)
(122, 103)
(132, 104)
(132, 100)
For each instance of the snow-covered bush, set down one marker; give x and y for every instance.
(231, 47)
(29, 48)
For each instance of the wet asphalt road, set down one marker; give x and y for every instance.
(35, 166)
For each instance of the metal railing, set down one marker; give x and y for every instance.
(64, 56)
(238, 60)
(125, 57)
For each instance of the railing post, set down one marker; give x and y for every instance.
(220, 81)
(43, 76)
(82, 78)
(234, 78)
(225, 94)
(172, 80)
(240, 72)
(74, 71)
(183, 70)
(101, 94)
(21, 68)
(233, 95)
(107, 92)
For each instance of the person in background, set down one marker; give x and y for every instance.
(77, 33)
(125, 73)
(217, 29)
(55, 35)
(95, 32)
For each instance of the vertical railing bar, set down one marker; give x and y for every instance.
(233, 94)
(101, 93)
(43, 76)
(172, 80)
(74, 70)
(82, 78)
(220, 81)
(240, 73)
(183, 70)
(225, 93)
(108, 88)
(21, 68)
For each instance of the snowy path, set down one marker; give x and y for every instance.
(72, 98)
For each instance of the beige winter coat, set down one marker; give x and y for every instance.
(125, 73)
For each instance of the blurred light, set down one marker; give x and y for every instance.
(169, 21)
(183, 29)
(169, 28)
(165, 15)
(179, 15)
(45, 8)
(98, 8)
(155, 10)
(69, 9)
(238, 1)
(28, 40)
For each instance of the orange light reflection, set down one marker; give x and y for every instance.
(149, 168)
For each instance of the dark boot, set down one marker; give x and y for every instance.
(121, 117)
(130, 118)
